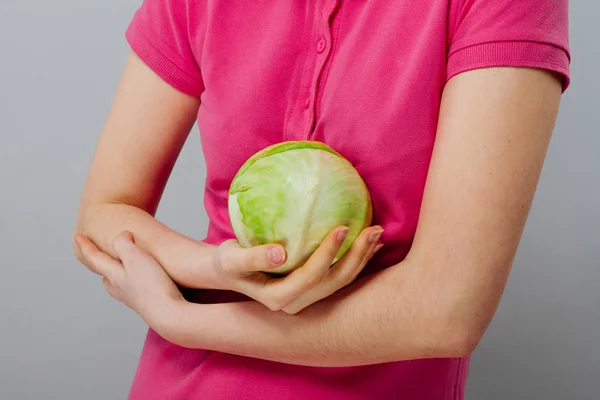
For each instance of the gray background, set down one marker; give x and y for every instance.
(62, 337)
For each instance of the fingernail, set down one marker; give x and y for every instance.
(374, 236)
(276, 255)
(342, 233)
(377, 248)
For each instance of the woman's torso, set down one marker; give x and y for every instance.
(364, 77)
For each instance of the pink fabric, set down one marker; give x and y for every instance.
(364, 77)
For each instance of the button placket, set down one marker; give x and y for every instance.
(324, 47)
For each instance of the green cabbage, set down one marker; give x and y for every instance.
(294, 194)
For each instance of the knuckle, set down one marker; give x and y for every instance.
(345, 278)
(312, 280)
(310, 276)
(228, 243)
(291, 310)
(78, 254)
(224, 261)
(276, 303)
(273, 306)
(110, 284)
(228, 246)
(89, 264)
(254, 258)
(226, 267)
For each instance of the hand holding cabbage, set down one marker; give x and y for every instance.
(302, 212)
(307, 206)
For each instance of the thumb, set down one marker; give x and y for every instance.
(125, 247)
(237, 259)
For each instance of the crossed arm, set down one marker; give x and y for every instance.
(494, 129)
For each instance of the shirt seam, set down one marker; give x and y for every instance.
(457, 386)
(490, 54)
(498, 42)
(166, 57)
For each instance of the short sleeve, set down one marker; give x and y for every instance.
(509, 33)
(164, 34)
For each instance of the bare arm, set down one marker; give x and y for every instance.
(494, 129)
(144, 133)
(143, 136)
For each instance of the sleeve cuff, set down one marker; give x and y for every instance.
(511, 54)
(162, 65)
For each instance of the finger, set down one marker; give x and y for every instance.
(343, 272)
(127, 251)
(280, 292)
(233, 258)
(317, 266)
(359, 254)
(331, 284)
(97, 261)
(111, 289)
(352, 263)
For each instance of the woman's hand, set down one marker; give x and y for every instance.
(138, 280)
(241, 268)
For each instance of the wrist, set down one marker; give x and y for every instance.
(168, 319)
(179, 327)
(218, 279)
(190, 263)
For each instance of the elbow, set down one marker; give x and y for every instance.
(81, 220)
(459, 341)
(446, 337)
(454, 319)
(449, 341)
(454, 333)
(80, 228)
(88, 216)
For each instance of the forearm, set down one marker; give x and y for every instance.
(494, 129)
(103, 222)
(383, 318)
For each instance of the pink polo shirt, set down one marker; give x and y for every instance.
(364, 77)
